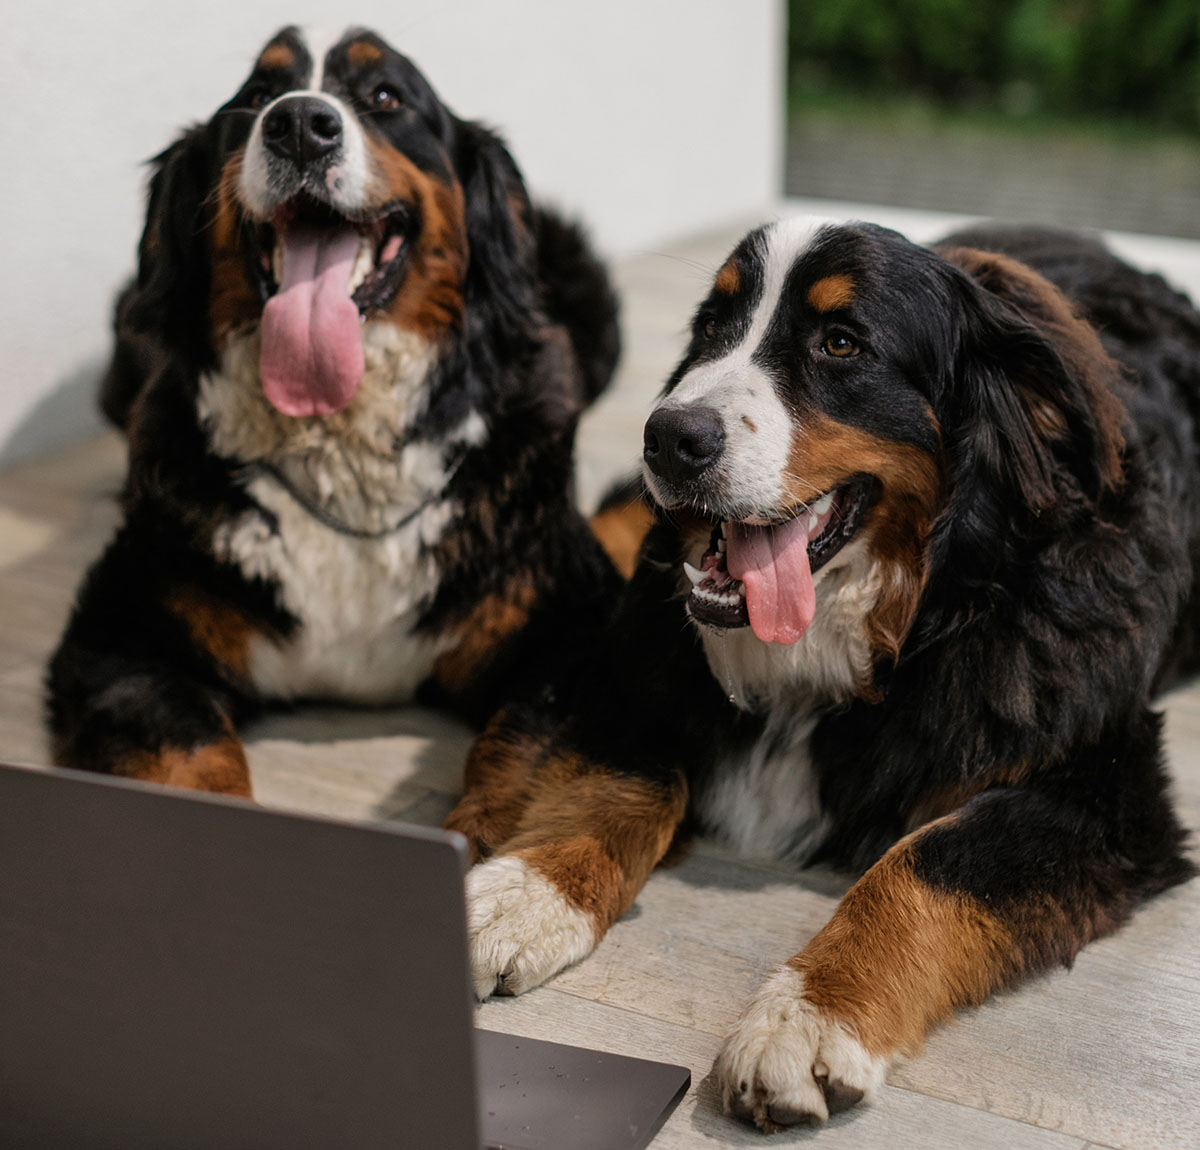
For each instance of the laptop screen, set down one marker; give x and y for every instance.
(183, 970)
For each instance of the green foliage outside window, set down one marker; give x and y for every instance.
(1136, 60)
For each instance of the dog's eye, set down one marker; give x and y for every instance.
(708, 327)
(258, 98)
(839, 345)
(383, 99)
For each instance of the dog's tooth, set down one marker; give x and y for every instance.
(813, 519)
(824, 503)
(363, 263)
(721, 545)
(277, 264)
(694, 575)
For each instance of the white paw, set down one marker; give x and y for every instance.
(787, 1062)
(520, 928)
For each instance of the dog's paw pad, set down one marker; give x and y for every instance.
(520, 928)
(839, 1096)
(786, 1062)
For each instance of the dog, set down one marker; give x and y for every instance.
(924, 549)
(350, 368)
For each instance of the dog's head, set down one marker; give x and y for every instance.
(333, 188)
(853, 407)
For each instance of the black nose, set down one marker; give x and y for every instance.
(302, 129)
(680, 442)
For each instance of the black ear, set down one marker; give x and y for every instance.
(1035, 407)
(576, 293)
(533, 276)
(501, 286)
(1031, 427)
(161, 311)
(137, 357)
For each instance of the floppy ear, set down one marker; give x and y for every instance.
(500, 285)
(161, 311)
(1035, 409)
(517, 310)
(138, 356)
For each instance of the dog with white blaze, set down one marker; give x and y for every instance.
(925, 549)
(350, 368)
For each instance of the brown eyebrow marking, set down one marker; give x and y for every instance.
(728, 278)
(277, 56)
(361, 53)
(831, 293)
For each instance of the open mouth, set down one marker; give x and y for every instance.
(761, 574)
(379, 237)
(321, 273)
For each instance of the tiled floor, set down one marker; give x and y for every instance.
(1105, 1055)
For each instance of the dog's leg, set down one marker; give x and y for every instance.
(1013, 882)
(496, 781)
(584, 846)
(154, 726)
(149, 687)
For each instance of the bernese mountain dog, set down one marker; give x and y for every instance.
(350, 369)
(924, 551)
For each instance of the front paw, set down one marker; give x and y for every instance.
(787, 1061)
(520, 928)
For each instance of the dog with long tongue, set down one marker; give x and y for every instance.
(773, 567)
(311, 361)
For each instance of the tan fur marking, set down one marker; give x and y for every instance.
(729, 279)
(232, 302)
(621, 531)
(596, 835)
(493, 620)
(826, 454)
(277, 56)
(495, 785)
(832, 293)
(898, 957)
(430, 299)
(215, 626)
(361, 54)
(217, 767)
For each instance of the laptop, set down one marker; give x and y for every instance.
(180, 970)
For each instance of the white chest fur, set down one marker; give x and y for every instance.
(765, 803)
(356, 599)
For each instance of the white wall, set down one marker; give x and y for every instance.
(650, 118)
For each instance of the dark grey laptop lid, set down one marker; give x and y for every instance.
(178, 970)
(187, 971)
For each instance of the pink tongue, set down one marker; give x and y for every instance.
(772, 563)
(312, 358)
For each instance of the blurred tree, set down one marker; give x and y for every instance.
(1133, 59)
